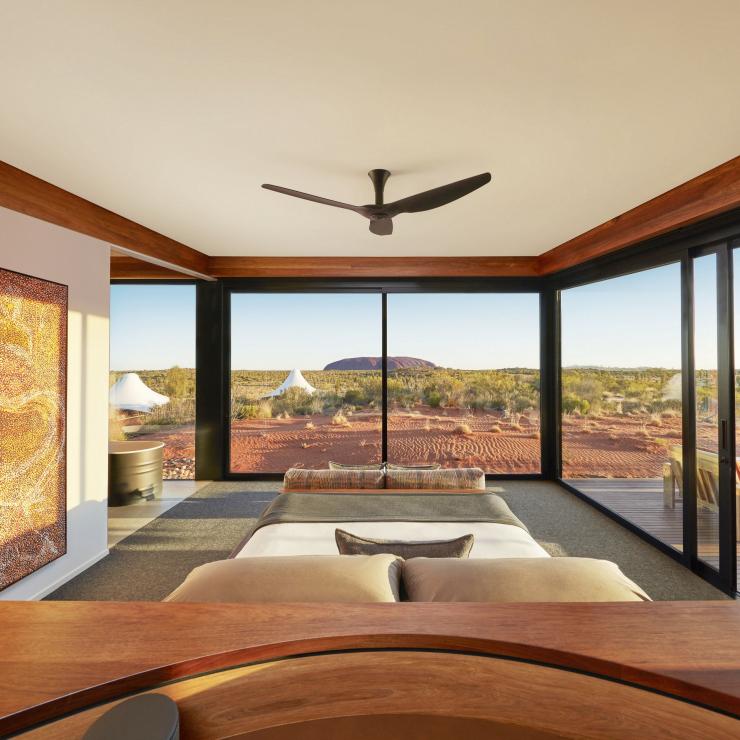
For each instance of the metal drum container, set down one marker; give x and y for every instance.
(134, 472)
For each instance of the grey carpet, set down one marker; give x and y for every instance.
(150, 563)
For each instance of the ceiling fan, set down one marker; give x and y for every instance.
(381, 214)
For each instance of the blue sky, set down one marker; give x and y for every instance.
(152, 326)
(629, 321)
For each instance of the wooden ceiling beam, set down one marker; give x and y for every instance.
(707, 195)
(123, 267)
(372, 267)
(27, 194)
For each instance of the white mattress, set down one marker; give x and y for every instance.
(491, 540)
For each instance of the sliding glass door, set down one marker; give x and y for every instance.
(621, 397)
(305, 380)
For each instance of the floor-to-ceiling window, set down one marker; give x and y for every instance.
(306, 373)
(306, 380)
(464, 380)
(621, 397)
(152, 370)
(706, 392)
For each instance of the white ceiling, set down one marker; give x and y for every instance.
(173, 112)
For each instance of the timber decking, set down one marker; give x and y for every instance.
(640, 501)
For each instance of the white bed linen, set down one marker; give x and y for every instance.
(317, 538)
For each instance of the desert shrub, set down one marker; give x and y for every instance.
(339, 420)
(177, 411)
(115, 426)
(294, 401)
(496, 429)
(432, 397)
(463, 429)
(251, 409)
(179, 383)
(310, 425)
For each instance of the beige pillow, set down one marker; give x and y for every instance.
(448, 478)
(302, 479)
(362, 466)
(350, 544)
(517, 580)
(365, 578)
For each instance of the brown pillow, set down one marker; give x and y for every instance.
(294, 578)
(364, 466)
(448, 478)
(518, 580)
(350, 544)
(297, 479)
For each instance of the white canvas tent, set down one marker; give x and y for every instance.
(295, 379)
(130, 393)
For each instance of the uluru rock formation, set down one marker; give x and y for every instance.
(376, 363)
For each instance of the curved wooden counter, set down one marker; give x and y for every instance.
(58, 657)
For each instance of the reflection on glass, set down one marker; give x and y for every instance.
(736, 292)
(305, 380)
(707, 438)
(463, 380)
(152, 377)
(621, 397)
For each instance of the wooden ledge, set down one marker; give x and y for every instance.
(57, 657)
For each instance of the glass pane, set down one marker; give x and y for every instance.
(152, 378)
(463, 380)
(621, 397)
(305, 380)
(707, 421)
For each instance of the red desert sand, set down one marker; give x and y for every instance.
(606, 447)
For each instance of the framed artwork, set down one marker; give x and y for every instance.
(33, 414)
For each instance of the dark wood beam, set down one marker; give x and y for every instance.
(372, 267)
(707, 195)
(27, 194)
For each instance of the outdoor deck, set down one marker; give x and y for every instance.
(640, 501)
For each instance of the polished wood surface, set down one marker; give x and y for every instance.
(372, 267)
(27, 194)
(490, 697)
(60, 656)
(709, 194)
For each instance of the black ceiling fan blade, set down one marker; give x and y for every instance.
(437, 196)
(315, 198)
(381, 226)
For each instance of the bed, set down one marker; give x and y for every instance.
(305, 523)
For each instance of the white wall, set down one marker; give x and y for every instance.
(43, 250)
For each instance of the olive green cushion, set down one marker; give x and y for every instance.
(350, 544)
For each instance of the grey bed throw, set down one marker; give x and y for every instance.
(387, 507)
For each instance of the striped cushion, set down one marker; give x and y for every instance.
(449, 478)
(297, 479)
(363, 466)
(420, 466)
